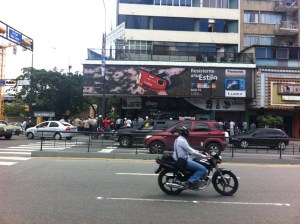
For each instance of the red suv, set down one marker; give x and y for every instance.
(204, 135)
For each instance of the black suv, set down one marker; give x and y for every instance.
(129, 136)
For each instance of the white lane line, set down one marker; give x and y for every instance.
(20, 153)
(138, 174)
(14, 158)
(106, 150)
(7, 163)
(194, 202)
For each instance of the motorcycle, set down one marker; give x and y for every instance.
(171, 179)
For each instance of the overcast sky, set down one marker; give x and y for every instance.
(62, 30)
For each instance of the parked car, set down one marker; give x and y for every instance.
(16, 128)
(129, 136)
(5, 131)
(52, 129)
(270, 137)
(204, 135)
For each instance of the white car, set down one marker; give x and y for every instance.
(52, 129)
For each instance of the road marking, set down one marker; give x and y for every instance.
(20, 153)
(18, 150)
(14, 158)
(106, 150)
(194, 202)
(138, 174)
(7, 163)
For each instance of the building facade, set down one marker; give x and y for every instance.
(179, 42)
(269, 23)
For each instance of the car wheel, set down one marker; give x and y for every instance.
(214, 148)
(281, 145)
(244, 144)
(57, 136)
(125, 141)
(30, 135)
(8, 137)
(156, 147)
(68, 138)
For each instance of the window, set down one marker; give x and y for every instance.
(263, 52)
(250, 40)
(188, 125)
(201, 127)
(269, 18)
(282, 53)
(267, 40)
(295, 53)
(179, 24)
(53, 125)
(251, 17)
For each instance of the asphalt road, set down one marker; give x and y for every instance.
(91, 191)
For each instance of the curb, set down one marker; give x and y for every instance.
(226, 158)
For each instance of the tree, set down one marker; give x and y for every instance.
(270, 121)
(14, 109)
(53, 91)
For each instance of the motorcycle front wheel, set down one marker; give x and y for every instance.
(165, 177)
(227, 185)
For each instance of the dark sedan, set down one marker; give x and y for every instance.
(269, 137)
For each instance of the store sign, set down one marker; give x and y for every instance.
(44, 114)
(288, 89)
(132, 103)
(219, 104)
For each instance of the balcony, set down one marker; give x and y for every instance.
(288, 6)
(287, 28)
(175, 56)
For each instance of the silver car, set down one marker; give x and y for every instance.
(52, 129)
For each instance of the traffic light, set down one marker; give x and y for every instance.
(27, 43)
(26, 108)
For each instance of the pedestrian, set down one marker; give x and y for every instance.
(106, 124)
(128, 123)
(232, 125)
(24, 126)
(252, 126)
(245, 126)
(119, 122)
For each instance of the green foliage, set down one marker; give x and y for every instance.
(270, 121)
(14, 109)
(53, 91)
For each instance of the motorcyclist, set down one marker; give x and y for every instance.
(184, 151)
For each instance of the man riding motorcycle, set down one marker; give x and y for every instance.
(183, 150)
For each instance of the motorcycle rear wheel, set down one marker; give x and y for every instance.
(229, 187)
(168, 177)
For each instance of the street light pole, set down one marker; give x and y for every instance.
(103, 63)
(210, 98)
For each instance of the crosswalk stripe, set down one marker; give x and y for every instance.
(7, 163)
(20, 153)
(14, 158)
(18, 150)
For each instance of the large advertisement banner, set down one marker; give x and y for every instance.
(167, 81)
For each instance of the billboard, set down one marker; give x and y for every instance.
(167, 81)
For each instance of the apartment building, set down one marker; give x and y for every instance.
(269, 22)
(193, 30)
(176, 58)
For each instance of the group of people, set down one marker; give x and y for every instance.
(237, 127)
(106, 124)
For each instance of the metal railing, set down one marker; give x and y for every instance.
(103, 142)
